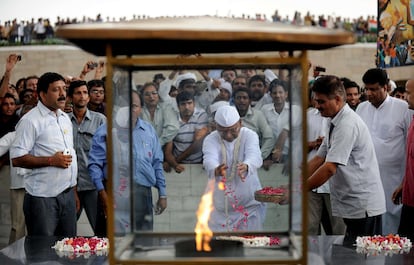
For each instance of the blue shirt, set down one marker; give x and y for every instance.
(147, 154)
(97, 164)
(82, 138)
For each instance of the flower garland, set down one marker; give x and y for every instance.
(82, 245)
(388, 245)
(229, 192)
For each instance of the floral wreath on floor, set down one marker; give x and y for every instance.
(82, 246)
(387, 245)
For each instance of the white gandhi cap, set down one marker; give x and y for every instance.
(226, 116)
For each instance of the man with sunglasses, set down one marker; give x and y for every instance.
(96, 88)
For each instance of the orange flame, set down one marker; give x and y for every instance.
(221, 185)
(202, 231)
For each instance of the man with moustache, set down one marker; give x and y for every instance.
(44, 144)
(258, 90)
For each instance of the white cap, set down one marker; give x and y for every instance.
(225, 85)
(214, 107)
(226, 116)
(269, 76)
(183, 77)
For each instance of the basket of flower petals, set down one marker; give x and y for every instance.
(270, 194)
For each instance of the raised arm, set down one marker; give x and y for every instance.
(10, 63)
(99, 70)
(88, 67)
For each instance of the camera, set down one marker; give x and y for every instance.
(66, 152)
(92, 65)
(320, 69)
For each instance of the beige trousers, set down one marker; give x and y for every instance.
(18, 224)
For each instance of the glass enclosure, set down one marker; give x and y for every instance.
(282, 223)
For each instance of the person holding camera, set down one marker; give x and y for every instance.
(90, 66)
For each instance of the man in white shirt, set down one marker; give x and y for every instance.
(388, 120)
(278, 115)
(347, 159)
(44, 143)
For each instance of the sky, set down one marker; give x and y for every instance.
(27, 9)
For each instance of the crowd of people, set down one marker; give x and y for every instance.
(32, 30)
(232, 121)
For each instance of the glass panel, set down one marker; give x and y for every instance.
(121, 142)
(275, 115)
(296, 143)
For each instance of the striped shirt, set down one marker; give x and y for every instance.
(185, 136)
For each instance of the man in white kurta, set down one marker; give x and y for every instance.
(231, 155)
(388, 120)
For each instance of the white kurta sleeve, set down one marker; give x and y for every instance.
(211, 153)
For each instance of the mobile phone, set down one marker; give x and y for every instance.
(66, 152)
(92, 65)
